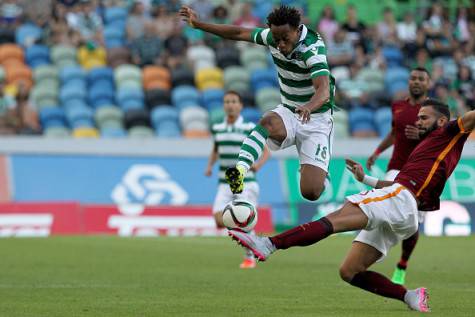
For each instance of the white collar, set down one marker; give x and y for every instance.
(239, 120)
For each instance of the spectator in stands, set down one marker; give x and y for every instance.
(136, 21)
(58, 30)
(340, 51)
(7, 104)
(146, 48)
(464, 84)
(204, 8)
(423, 60)
(10, 14)
(87, 22)
(24, 116)
(220, 15)
(175, 48)
(462, 32)
(247, 19)
(434, 21)
(327, 26)
(387, 27)
(407, 29)
(353, 26)
(164, 21)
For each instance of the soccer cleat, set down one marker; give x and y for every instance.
(234, 176)
(262, 247)
(399, 276)
(418, 299)
(248, 264)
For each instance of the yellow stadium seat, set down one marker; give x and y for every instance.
(92, 58)
(209, 78)
(85, 133)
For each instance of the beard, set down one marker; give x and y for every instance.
(427, 131)
(417, 95)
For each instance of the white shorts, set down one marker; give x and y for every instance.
(392, 216)
(390, 176)
(224, 195)
(314, 140)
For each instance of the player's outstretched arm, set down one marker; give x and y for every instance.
(230, 32)
(468, 120)
(385, 144)
(357, 170)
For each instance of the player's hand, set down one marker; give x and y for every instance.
(255, 167)
(411, 132)
(188, 15)
(355, 168)
(371, 160)
(208, 171)
(304, 113)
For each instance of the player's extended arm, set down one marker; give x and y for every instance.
(265, 156)
(213, 157)
(357, 170)
(383, 146)
(321, 84)
(230, 32)
(468, 120)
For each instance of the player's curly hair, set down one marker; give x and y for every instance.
(439, 106)
(284, 15)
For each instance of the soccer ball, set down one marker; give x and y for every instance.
(240, 214)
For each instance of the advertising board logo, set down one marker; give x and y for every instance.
(25, 225)
(147, 184)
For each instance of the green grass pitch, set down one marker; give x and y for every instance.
(111, 276)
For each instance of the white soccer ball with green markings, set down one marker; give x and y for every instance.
(240, 214)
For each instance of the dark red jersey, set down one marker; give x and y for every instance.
(404, 113)
(432, 162)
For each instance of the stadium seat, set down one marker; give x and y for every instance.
(100, 95)
(56, 132)
(85, 132)
(114, 37)
(100, 74)
(227, 56)
(90, 58)
(251, 114)
(37, 55)
(247, 98)
(129, 76)
(194, 118)
(201, 57)
(393, 55)
(268, 98)
(262, 78)
(141, 132)
(27, 34)
(63, 56)
(236, 78)
(361, 121)
(113, 132)
(156, 77)
(340, 124)
(109, 117)
(136, 117)
(46, 75)
(184, 96)
(157, 97)
(165, 121)
(216, 115)
(11, 54)
(212, 98)
(254, 58)
(196, 134)
(383, 121)
(52, 117)
(80, 117)
(182, 76)
(20, 73)
(115, 15)
(44, 96)
(70, 94)
(129, 99)
(209, 78)
(72, 73)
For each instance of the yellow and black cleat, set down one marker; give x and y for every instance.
(234, 176)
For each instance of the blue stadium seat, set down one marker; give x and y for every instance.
(165, 121)
(37, 55)
(115, 14)
(52, 117)
(129, 99)
(361, 119)
(383, 120)
(212, 98)
(113, 133)
(70, 73)
(27, 34)
(251, 114)
(113, 36)
(80, 117)
(392, 55)
(184, 96)
(262, 78)
(72, 93)
(100, 94)
(100, 73)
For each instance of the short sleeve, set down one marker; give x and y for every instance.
(316, 60)
(262, 36)
(455, 127)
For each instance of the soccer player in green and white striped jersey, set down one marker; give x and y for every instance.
(228, 137)
(304, 117)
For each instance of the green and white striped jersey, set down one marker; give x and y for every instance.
(308, 60)
(228, 139)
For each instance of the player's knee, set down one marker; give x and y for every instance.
(346, 274)
(312, 194)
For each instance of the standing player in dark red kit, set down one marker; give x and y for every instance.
(389, 213)
(405, 137)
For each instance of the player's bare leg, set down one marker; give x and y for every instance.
(408, 245)
(312, 181)
(218, 219)
(270, 126)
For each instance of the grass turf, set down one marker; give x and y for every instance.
(110, 276)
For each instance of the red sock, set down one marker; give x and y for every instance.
(408, 246)
(378, 284)
(303, 235)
